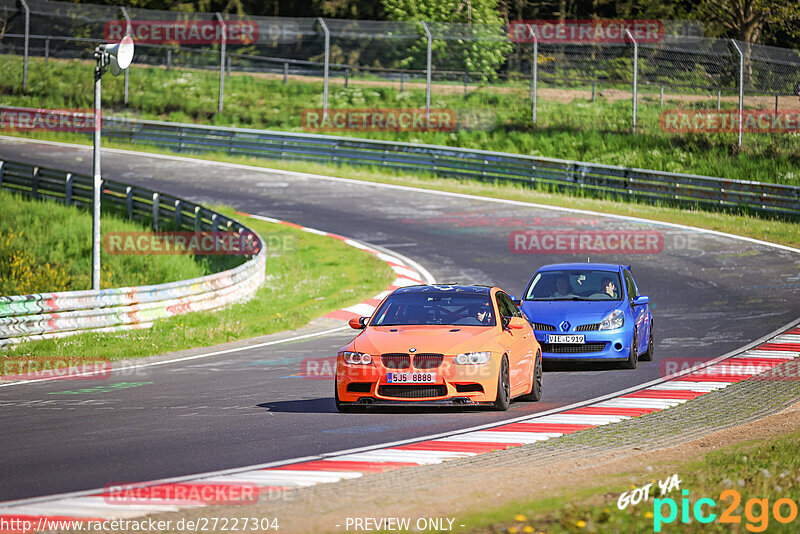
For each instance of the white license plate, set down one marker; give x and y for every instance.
(569, 338)
(411, 378)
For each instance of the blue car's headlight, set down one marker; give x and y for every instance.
(614, 320)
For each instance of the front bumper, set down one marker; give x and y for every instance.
(605, 345)
(454, 385)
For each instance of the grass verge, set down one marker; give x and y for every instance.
(308, 276)
(760, 472)
(495, 117)
(47, 247)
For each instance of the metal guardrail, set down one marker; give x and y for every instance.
(49, 315)
(597, 180)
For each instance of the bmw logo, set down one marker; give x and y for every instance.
(412, 349)
(564, 326)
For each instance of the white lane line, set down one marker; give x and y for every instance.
(313, 231)
(387, 258)
(284, 477)
(786, 338)
(362, 309)
(771, 354)
(499, 436)
(397, 455)
(687, 385)
(581, 419)
(640, 403)
(405, 271)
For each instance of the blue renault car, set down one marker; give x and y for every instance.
(589, 312)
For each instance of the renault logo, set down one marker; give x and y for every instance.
(412, 349)
(564, 326)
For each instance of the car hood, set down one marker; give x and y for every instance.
(433, 339)
(553, 312)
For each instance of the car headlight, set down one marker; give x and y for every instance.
(472, 358)
(614, 320)
(356, 358)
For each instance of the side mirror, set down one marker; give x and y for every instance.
(358, 323)
(639, 301)
(517, 302)
(516, 323)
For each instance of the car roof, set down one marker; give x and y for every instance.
(615, 267)
(446, 288)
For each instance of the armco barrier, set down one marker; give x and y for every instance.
(572, 176)
(48, 315)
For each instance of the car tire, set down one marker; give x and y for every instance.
(345, 408)
(503, 399)
(536, 389)
(633, 357)
(648, 356)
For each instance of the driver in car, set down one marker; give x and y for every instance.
(562, 287)
(608, 287)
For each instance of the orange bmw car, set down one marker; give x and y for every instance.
(440, 344)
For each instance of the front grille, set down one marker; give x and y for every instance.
(412, 392)
(428, 361)
(569, 348)
(587, 327)
(545, 327)
(359, 387)
(396, 361)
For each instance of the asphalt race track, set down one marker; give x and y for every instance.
(710, 294)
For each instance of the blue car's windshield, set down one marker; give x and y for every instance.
(445, 308)
(584, 284)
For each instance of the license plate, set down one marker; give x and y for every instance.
(569, 338)
(411, 378)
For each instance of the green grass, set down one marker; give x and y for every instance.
(765, 469)
(578, 130)
(47, 247)
(307, 276)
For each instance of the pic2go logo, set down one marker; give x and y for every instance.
(756, 511)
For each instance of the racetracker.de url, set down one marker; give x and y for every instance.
(201, 524)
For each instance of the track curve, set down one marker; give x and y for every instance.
(711, 294)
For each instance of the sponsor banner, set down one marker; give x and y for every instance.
(727, 121)
(183, 31)
(172, 243)
(47, 120)
(58, 368)
(378, 120)
(585, 31)
(130, 493)
(594, 241)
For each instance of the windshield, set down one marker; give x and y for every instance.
(575, 284)
(435, 309)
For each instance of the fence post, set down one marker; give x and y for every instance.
(635, 74)
(776, 103)
(534, 77)
(46, 50)
(221, 62)
(178, 208)
(741, 89)
(285, 73)
(719, 99)
(428, 71)
(346, 78)
(169, 59)
(35, 187)
(129, 202)
(68, 189)
(592, 90)
(326, 67)
(402, 79)
(27, 38)
(2, 163)
(156, 203)
(198, 218)
(661, 99)
(229, 68)
(128, 33)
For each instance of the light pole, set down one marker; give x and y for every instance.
(116, 58)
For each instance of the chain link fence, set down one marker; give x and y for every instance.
(617, 86)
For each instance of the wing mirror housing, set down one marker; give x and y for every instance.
(358, 323)
(516, 323)
(640, 301)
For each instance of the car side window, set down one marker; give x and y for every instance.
(632, 294)
(506, 305)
